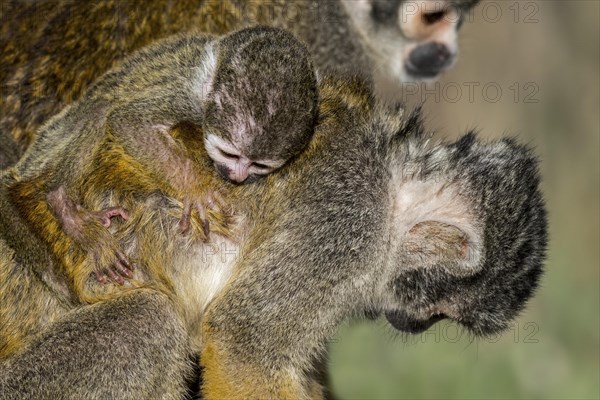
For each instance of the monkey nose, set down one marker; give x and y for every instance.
(428, 60)
(239, 173)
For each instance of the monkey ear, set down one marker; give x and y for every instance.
(438, 228)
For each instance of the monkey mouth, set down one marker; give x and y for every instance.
(423, 73)
(404, 322)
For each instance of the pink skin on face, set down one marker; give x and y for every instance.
(238, 169)
(232, 164)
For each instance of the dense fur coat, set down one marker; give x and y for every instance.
(371, 217)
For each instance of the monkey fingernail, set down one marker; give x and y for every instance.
(124, 271)
(109, 213)
(115, 277)
(101, 277)
(184, 222)
(183, 226)
(124, 260)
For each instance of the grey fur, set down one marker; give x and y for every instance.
(100, 351)
(325, 242)
(9, 153)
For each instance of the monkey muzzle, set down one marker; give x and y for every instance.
(428, 60)
(234, 178)
(406, 323)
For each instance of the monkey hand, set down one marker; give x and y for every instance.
(201, 198)
(89, 229)
(209, 206)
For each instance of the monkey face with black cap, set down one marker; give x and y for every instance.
(410, 39)
(460, 253)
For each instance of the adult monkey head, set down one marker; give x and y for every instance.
(411, 40)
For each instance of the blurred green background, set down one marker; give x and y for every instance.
(544, 58)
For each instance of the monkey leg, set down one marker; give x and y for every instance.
(132, 347)
(90, 230)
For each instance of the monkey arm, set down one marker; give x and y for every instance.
(45, 184)
(260, 342)
(264, 332)
(268, 326)
(168, 142)
(79, 237)
(143, 127)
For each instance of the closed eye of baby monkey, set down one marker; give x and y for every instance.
(252, 94)
(234, 165)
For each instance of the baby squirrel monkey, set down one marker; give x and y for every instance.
(253, 93)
